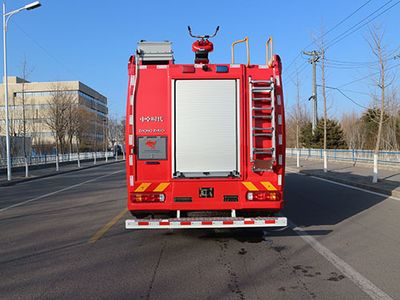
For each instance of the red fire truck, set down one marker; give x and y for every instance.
(205, 142)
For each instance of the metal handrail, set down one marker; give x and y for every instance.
(245, 40)
(269, 52)
(362, 155)
(51, 158)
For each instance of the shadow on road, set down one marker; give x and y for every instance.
(314, 202)
(243, 235)
(357, 179)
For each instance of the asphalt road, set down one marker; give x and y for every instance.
(57, 242)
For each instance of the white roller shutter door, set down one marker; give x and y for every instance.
(206, 128)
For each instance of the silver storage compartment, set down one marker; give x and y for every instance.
(155, 51)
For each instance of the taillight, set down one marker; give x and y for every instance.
(263, 196)
(147, 197)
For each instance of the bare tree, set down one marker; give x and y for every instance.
(58, 117)
(36, 128)
(25, 73)
(353, 130)
(297, 120)
(297, 117)
(15, 128)
(95, 131)
(323, 83)
(116, 131)
(113, 129)
(79, 127)
(379, 50)
(390, 131)
(121, 131)
(105, 134)
(73, 120)
(300, 116)
(84, 128)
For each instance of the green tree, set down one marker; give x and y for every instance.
(306, 136)
(370, 121)
(334, 139)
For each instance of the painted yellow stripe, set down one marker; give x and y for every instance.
(143, 187)
(268, 185)
(250, 186)
(161, 187)
(107, 227)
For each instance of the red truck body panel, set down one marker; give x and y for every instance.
(149, 114)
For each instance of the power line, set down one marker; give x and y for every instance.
(389, 56)
(298, 71)
(344, 67)
(344, 35)
(47, 52)
(369, 75)
(350, 31)
(329, 31)
(292, 62)
(335, 64)
(349, 98)
(345, 19)
(356, 92)
(345, 63)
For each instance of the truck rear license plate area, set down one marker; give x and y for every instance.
(206, 192)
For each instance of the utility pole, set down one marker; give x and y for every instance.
(6, 18)
(314, 57)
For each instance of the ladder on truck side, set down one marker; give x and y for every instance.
(262, 112)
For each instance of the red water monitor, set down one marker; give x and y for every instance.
(202, 46)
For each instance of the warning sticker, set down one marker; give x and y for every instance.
(152, 147)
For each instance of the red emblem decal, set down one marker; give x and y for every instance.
(151, 144)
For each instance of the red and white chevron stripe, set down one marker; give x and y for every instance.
(205, 223)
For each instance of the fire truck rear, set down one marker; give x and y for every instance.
(205, 142)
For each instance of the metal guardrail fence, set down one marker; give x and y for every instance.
(353, 155)
(49, 159)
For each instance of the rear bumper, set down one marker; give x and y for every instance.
(183, 223)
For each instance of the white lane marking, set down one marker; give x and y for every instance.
(58, 191)
(356, 188)
(359, 280)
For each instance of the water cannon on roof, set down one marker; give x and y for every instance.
(202, 46)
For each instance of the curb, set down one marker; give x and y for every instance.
(14, 182)
(393, 193)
